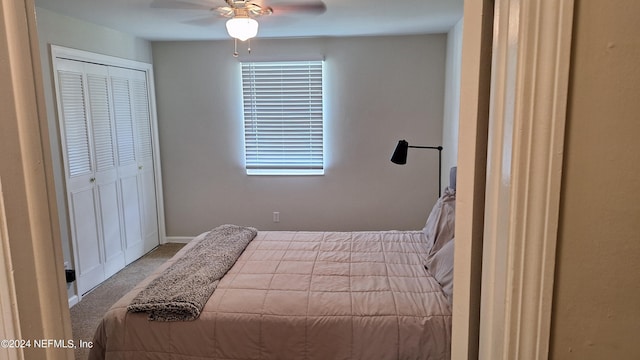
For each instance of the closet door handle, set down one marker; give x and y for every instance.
(140, 167)
(92, 180)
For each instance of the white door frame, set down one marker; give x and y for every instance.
(530, 75)
(475, 82)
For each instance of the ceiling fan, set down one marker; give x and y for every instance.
(241, 14)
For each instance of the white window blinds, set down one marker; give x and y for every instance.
(283, 117)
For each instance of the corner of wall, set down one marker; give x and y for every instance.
(452, 100)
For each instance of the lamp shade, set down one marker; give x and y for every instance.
(400, 154)
(242, 28)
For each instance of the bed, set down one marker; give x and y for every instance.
(308, 295)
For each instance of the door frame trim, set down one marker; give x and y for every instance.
(472, 160)
(531, 63)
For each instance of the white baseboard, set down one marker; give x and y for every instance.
(73, 300)
(179, 239)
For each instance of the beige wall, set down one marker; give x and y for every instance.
(378, 90)
(596, 309)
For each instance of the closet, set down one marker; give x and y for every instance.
(107, 126)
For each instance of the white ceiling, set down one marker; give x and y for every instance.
(341, 18)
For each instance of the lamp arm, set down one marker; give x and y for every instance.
(439, 148)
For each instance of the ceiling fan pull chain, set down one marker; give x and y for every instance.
(249, 46)
(235, 47)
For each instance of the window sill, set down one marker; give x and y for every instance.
(288, 172)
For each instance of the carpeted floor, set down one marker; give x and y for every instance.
(86, 315)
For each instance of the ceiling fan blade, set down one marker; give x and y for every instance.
(312, 7)
(206, 21)
(181, 4)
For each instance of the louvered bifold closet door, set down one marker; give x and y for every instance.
(86, 125)
(106, 171)
(131, 212)
(107, 129)
(144, 156)
(79, 173)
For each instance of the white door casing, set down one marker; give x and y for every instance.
(472, 153)
(530, 74)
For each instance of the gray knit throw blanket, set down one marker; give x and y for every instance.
(180, 292)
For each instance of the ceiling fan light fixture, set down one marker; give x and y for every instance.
(242, 28)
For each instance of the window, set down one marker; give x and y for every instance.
(283, 117)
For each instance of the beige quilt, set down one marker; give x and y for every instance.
(301, 295)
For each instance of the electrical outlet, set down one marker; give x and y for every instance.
(276, 216)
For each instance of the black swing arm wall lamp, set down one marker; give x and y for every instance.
(400, 157)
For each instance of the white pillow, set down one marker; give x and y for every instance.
(441, 267)
(440, 226)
